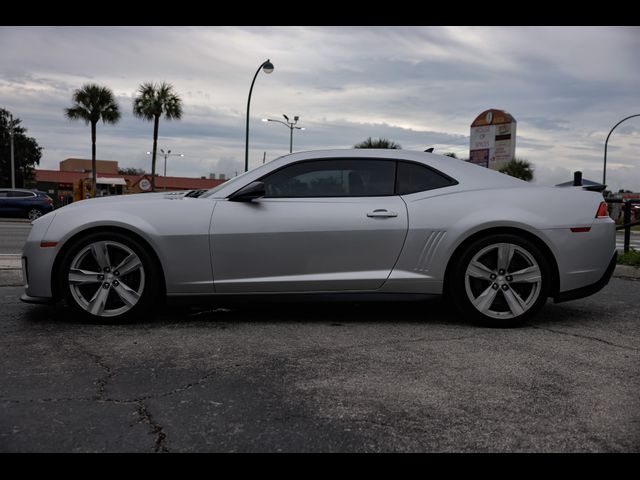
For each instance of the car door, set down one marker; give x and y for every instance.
(21, 201)
(323, 225)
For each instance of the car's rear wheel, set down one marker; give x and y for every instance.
(110, 277)
(501, 280)
(34, 213)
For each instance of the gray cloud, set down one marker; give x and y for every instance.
(419, 86)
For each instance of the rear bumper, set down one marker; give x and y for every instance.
(589, 289)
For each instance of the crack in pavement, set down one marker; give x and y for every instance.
(181, 389)
(588, 337)
(160, 444)
(117, 401)
(101, 383)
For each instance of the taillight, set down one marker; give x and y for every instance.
(603, 210)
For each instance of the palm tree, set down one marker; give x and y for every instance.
(92, 103)
(151, 103)
(377, 143)
(519, 168)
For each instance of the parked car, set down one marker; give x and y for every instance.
(31, 204)
(354, 222)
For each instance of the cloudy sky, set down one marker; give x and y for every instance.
(418, 86)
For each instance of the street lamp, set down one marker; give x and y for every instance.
(290, 125)
(267, 66)
(167, 154)
(604, 171)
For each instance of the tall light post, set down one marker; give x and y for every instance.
(167, 154)
(13, 167)
(290, 125)
(267, 66)
(604, 170)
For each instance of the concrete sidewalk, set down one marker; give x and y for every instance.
(10, 270)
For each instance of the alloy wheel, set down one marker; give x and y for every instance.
(503, 281)
(34, 213)
(106, 278)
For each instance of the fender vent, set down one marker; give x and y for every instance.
(429, 249)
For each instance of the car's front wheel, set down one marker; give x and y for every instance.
(500, 280)
(109, 277)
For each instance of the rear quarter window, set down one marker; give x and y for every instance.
(414, 177)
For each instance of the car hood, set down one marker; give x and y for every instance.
(119, 199)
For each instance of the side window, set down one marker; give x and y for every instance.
(16, 194)
(413, 177)
(332, 178)
(3, 194)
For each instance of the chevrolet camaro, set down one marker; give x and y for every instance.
(326, 224)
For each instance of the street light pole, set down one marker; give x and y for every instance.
(267, 66)
(167, 154)
(290, 125)
(604, 170)
(13, 168)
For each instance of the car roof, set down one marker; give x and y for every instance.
(468, 175)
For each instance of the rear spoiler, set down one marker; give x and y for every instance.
(578, 182)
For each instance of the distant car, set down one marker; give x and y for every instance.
(17, 202)
(354, 223)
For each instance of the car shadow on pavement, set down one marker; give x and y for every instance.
(431, 310)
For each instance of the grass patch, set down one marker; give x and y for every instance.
(632, 257)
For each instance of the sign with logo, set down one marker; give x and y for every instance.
(145, 185)
(493, 139)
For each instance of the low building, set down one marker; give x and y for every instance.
(74, 182)
(84, 165)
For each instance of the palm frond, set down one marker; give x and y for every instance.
(155, 100)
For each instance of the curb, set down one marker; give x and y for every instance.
(14, 220)
(626, 271)
(11, 278)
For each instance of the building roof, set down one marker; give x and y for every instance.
(170, 183)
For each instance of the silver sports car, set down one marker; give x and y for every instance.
(326, 224)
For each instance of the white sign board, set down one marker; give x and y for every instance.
(493, 139)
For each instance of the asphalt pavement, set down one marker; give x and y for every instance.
(392, 377)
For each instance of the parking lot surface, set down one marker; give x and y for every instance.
(335, 377)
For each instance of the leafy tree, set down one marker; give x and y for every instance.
(154, 101)
(519, 168)
(26, 152)
(131, 171)
(92, 103)
(378, 143)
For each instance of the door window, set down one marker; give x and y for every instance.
(332, 178)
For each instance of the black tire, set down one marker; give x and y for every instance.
(149, 273)
(461, 292)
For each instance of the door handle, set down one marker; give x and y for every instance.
(381, 213)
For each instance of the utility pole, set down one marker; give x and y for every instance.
(13, 168)
(264, 155)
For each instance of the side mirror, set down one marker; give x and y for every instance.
(246, 194)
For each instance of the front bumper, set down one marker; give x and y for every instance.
(589, 289)
(39, 300)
